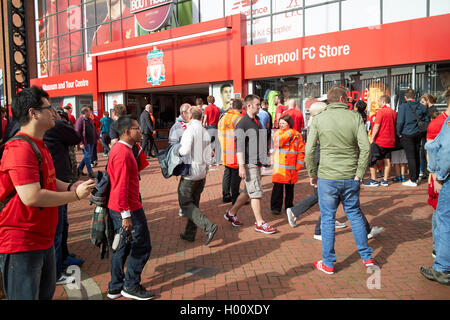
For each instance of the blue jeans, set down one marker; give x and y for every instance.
(29, 275)
(331, 193)
(441, 233)
(87, 158)
(62, 212)
(137, 251)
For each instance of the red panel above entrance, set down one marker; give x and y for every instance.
(210, 58)
(408, 42)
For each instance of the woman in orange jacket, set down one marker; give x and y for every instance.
(289, 158)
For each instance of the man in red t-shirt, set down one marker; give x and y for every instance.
(28, 220)
(383, 140)
(211, 116)
(127, 215)
(296, 115)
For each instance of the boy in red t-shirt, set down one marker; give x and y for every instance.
(28, 220)
(383, 141)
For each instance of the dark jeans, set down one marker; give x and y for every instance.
(59, 237)
(307, 203)
(423, 156)
(106, 140)
(276, 200)
(230, 183)
(411, 144)
(137, 251)
(189, 193)
(29, 275)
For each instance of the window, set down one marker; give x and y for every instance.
(400, 10)
(358, 13)
(438, 7)
(67, 29)
(322, 19)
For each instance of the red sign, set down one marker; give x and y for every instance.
(387, 45)
(151, 14)
(71, 84)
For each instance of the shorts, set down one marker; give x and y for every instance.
(253, 181)
(398, 156)
(378, 153)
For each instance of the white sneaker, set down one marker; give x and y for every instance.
(318, 237)
(339, 225)
(374, 231)
(64, 280)
(409, 183)
(291, 218)
(180, 213)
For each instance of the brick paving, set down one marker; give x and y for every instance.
(253, 266)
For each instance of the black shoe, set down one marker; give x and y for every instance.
(114, 294)
(275, 212)
(94, 164)
(189, 239)
(81, 173)
(210, 235)
(431, 274)
(91, 175)
(226, 199)
(138, 293)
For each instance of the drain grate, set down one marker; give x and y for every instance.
(203, 272)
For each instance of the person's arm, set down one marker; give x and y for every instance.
(300, 154)
(375, 130)
(32, 195)
(186, 143)
(310, 153)
(364, 149)
(400, 120)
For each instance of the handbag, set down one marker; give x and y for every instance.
(422, 125)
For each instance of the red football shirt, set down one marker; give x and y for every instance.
(24, 228)
(297, 116)
(386, 118)
(435, 126)
(124, 177)
(212, 113)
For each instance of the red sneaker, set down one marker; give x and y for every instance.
(265, 228)
(233, 219)
(369, 263)
(320, 266)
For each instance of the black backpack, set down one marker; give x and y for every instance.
(38, 156)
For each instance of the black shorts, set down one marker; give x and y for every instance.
(378, 153)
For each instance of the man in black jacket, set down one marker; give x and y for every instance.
(58, 139)
(146, 125)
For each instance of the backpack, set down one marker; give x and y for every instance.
(101, 225)
(37, 152)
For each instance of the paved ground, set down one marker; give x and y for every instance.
(249, 265)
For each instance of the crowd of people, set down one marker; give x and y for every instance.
(39, 176)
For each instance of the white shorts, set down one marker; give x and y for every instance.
(398, 156)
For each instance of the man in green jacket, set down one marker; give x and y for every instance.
(340, 132)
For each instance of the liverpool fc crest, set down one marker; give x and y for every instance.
(156, 72)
